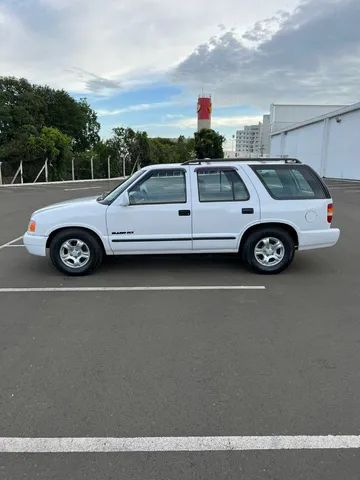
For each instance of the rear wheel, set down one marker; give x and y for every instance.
(269, 250)
(75, 252)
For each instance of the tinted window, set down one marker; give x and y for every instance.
(160, 186)
(220, 185)
(285, 182)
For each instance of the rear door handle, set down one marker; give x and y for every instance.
(247, 211)
(184, 213)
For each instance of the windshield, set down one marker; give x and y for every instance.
(110, 197)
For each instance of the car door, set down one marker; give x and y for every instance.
(158, 217)
(224, 204)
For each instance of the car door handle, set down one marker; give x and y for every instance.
(247, 211)
(184, 213)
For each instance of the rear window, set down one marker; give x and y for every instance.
(291, 182)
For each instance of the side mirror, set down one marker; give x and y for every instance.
(124, 200)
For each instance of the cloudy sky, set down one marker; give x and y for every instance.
(142, 63)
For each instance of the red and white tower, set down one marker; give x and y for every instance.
(204, 107)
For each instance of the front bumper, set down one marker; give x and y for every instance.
(35, 244)
(318, 238)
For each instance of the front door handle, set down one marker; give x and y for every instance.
(184, 213)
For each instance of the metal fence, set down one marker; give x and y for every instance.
(14, 173)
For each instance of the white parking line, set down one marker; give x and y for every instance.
(11, 241)
(83, 188)
(131, 289)
(176, 444)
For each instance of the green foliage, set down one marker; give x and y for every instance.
(54, 146)
(208, 144)
(21, 115)
(166, 150)
(26, 109)
(131, 146)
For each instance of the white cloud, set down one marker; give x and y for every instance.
(311, 55)
(133, 108)
(190, 123)
(114, 42)
(235, 122)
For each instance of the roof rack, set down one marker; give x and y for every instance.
(262, 160)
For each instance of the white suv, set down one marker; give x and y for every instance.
(263, 210)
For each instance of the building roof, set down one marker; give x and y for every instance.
(335, 113)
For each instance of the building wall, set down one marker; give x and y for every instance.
(343, 159)
(265, 136)
(283, 116)
(330, 147)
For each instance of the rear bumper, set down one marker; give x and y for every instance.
(318, 238)
(35, 244)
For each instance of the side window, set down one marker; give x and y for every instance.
(160, 186)
(285, 182)
(221, 185)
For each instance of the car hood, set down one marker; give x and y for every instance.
(78, 202)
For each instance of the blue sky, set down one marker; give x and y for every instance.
(142, 64)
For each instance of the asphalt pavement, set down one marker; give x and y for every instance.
(279, 361)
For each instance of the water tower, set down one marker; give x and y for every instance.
(204, 107)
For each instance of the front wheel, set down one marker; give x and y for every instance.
(75, 252)
(269, 250)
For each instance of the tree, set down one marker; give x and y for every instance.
(54, 146)
(22, 112)
(167, 150)
(74, 118)
(208, 144)
(130, 147)
(26, 109)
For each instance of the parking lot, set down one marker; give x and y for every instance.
(275, 356)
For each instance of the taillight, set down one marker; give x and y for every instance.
(330, 212)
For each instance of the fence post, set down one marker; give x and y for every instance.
(92, 167)
(72, 169)
(0, 174)
(124, 166)
(21, 172)
(46, 171)
(109, 172)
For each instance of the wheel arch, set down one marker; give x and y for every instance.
(85, 229)
(259, 226)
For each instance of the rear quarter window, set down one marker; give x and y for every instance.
(291, 182)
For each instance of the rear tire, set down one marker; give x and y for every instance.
(269, 250)
(76, 252)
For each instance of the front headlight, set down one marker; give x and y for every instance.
(32, 226)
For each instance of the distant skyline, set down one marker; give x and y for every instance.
(142, 64)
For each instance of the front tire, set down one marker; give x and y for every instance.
(76, 252)
(269, 250)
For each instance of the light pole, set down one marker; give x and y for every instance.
(127, 154)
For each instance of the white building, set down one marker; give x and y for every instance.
(283, 116)
(254, 140)
(248, 141)
(329, 142)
